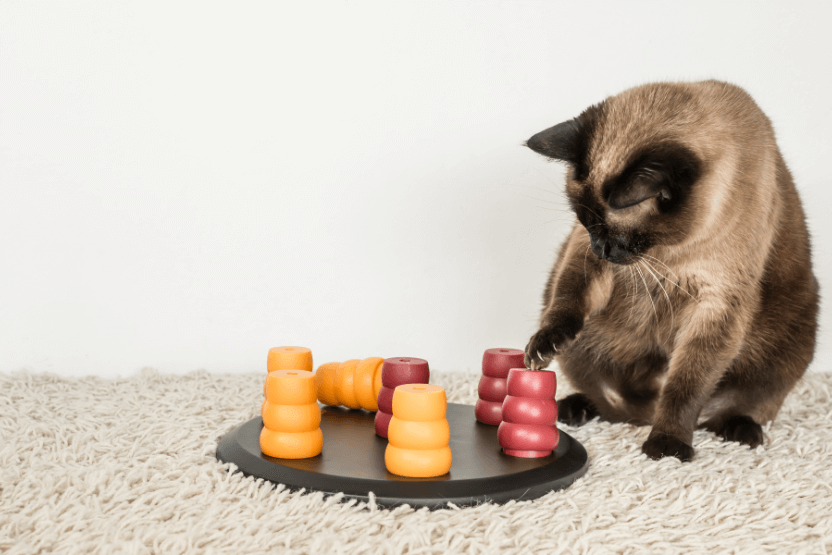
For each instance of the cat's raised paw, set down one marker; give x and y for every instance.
(659, 445)
(576, 410)
(742, 429)
(545, 344)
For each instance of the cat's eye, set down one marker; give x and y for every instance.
(636, 191)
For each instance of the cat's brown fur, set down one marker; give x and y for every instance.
(693, 302)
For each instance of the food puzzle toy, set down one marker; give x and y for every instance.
(319, 432)
(418, 433)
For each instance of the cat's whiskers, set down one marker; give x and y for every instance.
(633, 299)
(546, 177)
(647, 289)
(553, 192)
(668, 268)
(648, 267)
(541, 189)
(557, 204)
(591, 210)
(677, 285)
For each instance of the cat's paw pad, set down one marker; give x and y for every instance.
(576, 410)
(659, 445)
(742, 429)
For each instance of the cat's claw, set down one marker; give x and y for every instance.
(545, 344)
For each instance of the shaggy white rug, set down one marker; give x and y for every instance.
(127, 466)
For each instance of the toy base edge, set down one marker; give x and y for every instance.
(230, 452)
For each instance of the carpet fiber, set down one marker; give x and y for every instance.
(128, 466)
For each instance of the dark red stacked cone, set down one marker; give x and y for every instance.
(395, 372)
(492, 387)
(530, 414)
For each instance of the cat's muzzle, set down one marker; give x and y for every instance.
(612, 249)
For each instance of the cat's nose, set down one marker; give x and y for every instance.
(618, 253)
(600, 247)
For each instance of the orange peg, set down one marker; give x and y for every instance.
(291, 416)
(345, 384)
(325, 383)
(353, 384)
(419, 402)
(289, 358)
(287, 445)
(364, 382)
(418, 432)
(290, 387)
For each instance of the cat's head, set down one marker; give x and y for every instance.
(634, 172)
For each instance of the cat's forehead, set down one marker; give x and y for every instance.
(627, 125)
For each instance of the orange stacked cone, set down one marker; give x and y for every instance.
(291, 416)
(418, 432)
(354, 384)
(287, 358)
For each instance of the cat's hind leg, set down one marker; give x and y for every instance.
(730, 416)
(615, 391)
(740, 428)
(731, 421)
(743, 430)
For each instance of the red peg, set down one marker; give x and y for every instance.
(541, 384)
(382, 422)
(385, 399)
(496, 364)
(529, 414)
(492, 389)
(530, 411)
(403, 370)
(489, 412)
(395, 372)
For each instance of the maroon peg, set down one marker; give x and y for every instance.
(496, 364)
(530, 414)
(395, 372)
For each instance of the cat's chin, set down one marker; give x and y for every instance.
(628, 261)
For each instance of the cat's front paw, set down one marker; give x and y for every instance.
(659, 445)
(547, 342)
(576, 410)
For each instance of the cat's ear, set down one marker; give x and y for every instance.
(560, 142)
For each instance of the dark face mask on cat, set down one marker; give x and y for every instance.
(646, 194)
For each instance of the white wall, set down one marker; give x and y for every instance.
(184, 185)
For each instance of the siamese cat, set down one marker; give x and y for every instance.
(684, 296)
